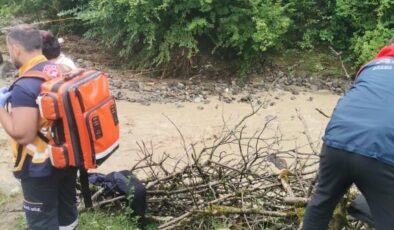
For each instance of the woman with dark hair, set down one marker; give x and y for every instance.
(51, 50)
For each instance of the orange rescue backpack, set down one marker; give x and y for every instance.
(83, 117)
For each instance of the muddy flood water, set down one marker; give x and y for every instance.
(198, 123)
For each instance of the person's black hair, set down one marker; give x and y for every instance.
(51, 46)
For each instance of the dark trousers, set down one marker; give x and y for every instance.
(50, 202)
(338, 171)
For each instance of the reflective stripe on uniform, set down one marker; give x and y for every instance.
(72, 226)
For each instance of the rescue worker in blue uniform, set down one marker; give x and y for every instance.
(359, 147)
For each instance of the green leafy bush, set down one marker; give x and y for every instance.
(39, 11)
(152, 30)
(357, 28)
(38, 8)
(316, 24)
(148, 33)
(373, 23)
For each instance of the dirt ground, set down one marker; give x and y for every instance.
(10, 212)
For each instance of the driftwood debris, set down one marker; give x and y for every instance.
(235, 178)
(243, 179)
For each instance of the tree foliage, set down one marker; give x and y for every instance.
(372, 23)
(38, 8)
(155, 29)
(156, 32)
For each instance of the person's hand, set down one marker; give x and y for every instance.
(4, 95)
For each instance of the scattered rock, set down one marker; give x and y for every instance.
(338, 90)
(198, 99)
(314, 88)
(336, 83)
(88, 64)
(117, 84)
(199, 90)
(200, 108)
(310, 99)
(246, 99)
(118, 95)
(141, 85)
(146, 103)
(225, 99)
(294, 92)
(288, 82)
(280, 74)
(180, 86)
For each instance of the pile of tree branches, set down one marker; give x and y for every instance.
(241, 179)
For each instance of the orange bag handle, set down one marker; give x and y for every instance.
(70, 75)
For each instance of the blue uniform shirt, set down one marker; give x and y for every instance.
(24, 94)
(363, 119)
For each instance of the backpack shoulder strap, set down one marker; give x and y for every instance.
(32, 74)
(84, 180)
(35, 74)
